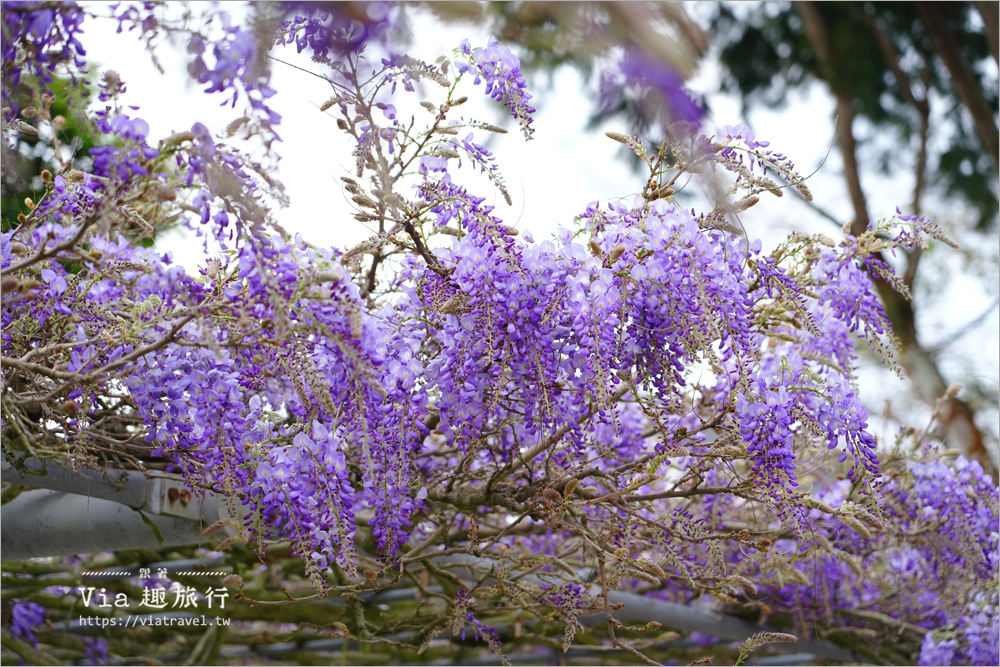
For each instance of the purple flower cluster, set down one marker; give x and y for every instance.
(463, 601)
(653, 88)
(305, 490)
(37, 39)
(331, 31)
(96, 650)
(744, 134)
(766, 425)
(568, 602)
(231, 187)
(501, 70)
(122, 164)
(239, 60)
(939, 652)
(24, 618)
(929, 560)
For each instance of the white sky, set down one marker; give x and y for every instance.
(553, 177)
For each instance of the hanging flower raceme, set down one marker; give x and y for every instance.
(500, 69)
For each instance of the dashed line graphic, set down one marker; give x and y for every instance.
(127, 573)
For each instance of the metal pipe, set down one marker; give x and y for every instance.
(119, 486)
(48, 523)
(102, 498)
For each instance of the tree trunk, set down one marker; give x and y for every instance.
(962, 76)
(990, 11)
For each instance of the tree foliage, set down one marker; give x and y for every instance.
(767, 53)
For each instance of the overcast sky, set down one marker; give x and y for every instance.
(553, 177)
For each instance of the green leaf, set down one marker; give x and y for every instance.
(152, 526)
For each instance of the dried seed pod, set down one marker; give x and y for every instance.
(489, 127)
(214, 528)
(236, 125)
(642, 576)
(745, 203)
(652, 568)
(171, 141)
(233, 580)
(853, 522)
